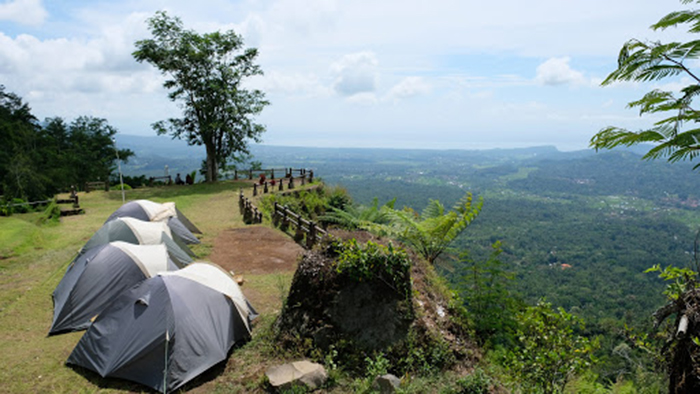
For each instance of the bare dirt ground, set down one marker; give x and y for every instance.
(255, 250)
(265, 259)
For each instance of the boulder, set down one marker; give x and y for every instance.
(387, 384)
(304, 372)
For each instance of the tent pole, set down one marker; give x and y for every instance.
(165, 369)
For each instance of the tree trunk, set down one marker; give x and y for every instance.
(212, 165)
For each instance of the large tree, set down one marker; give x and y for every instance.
(205, 74)
(676, 135)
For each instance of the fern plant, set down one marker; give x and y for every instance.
(360, 217)
(431, 232)
(675, 137)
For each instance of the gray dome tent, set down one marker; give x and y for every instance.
(138, 232)
(94, 279)
(150, 211)
(168, 329)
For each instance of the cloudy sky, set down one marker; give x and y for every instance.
(461, 74)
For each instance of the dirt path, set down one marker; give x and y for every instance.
(255, 250)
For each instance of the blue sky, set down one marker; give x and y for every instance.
(458, 74)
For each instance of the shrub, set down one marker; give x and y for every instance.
(385, 262)
(52, 214)
(476, 383)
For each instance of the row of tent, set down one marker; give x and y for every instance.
(152, 315)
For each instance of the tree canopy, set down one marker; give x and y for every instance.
(205, 74)
(676, 136)
(38, 160)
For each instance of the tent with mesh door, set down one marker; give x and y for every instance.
(150, 211)
(168, 329)
(95, 278)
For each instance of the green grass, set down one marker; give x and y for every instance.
(33, 259)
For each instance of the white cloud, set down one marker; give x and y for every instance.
(293, 84)
(357, 73)
(674, 86)
(26, 12)
(556, 71)
(363, 98)
(408, 87)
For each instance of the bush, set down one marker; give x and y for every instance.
(19, 208)
(118, 187)
(476, 383)
(373, 260)
(52, 213)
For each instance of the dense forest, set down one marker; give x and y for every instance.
(575, 228)
(578, 228)
(38, 159)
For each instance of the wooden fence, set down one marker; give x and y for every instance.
(279, 184)
(96, 186)
(251, 213)
(307, 232)
(270, 173)
(73, 199)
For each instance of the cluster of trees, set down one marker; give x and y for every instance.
(39, 159)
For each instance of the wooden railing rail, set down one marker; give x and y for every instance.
(307, 232)
(96, 186)
(167, 179)
(288, 173)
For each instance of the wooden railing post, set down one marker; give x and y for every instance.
(285, 219)
(291, 183)
(303, 179)
(241, 202)
(275, 214)
(255, 189)
(311, 176)
(265, 187)
(299, 233)
(281, 185)
(311, 236)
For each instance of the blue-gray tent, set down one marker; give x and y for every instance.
(168, 329)
(150, 211)
(140, 232)
(94, 279)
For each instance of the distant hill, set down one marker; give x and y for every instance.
(154, 153)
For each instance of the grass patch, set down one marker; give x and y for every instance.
(33, 259)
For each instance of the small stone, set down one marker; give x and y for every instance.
(440, 311)
(309, 374)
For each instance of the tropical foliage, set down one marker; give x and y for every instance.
(363, 217)
(486, 288)
(550, 348)
(676, 136)
(431, 232)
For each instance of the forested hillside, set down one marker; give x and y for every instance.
(608, 215)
